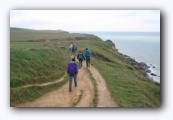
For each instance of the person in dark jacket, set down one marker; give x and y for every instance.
(72, 71)
(87, 55)
(80, 58)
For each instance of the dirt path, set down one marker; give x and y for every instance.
(104, 97)
(63, 98)
(43, 84)
(85, 90)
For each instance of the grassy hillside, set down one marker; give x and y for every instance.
(40, 61)
(27, 35)
(128, 87)
(41, 65)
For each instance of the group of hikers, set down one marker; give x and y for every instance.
(72, 68)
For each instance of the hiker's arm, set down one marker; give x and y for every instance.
(68, 69)
(76, 70)
(83, 56)
(84, 53)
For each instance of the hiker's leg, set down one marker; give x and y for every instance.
(75, 80)
(89, 62)
(70, 83)
(80, 63)
(70, 52)
(73, 54)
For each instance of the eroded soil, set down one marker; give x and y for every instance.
(63, 98)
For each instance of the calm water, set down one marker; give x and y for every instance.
(143, 47)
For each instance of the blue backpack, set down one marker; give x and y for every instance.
(87, 54)
(74, 48)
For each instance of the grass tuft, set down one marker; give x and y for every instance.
(95, 99)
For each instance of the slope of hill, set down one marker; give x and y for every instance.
(42, 56)
(28, 35)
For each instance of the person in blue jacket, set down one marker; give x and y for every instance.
(87, 54)
(72, 71)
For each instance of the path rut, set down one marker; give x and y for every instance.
(104, 97)
(63, 98)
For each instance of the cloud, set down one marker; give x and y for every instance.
(87, 20)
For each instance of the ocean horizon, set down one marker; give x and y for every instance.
(141, 46)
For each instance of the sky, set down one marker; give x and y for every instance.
(87, 20)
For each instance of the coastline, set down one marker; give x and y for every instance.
(146, 68)
(142, 67)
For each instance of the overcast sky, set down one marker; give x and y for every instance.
(87, 20)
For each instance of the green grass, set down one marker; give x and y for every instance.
(21, 95)
(26, 45)
(95, 99)
(79, 99)
(23, 35)
(31, 62)
(128, 87)
(36, 66)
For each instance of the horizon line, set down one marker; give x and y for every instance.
(86, 30)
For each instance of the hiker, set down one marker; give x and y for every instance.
(72, 71)
(80, 58)
(87, 55)
(71, 45)
(74, 49)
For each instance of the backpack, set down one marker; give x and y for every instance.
(80, 57)
(87, 54)
(72, 70)
(73, 48)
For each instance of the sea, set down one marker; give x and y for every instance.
(141, 46)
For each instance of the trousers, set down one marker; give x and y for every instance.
(88, 62)
(71, 81)
(80, 63)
